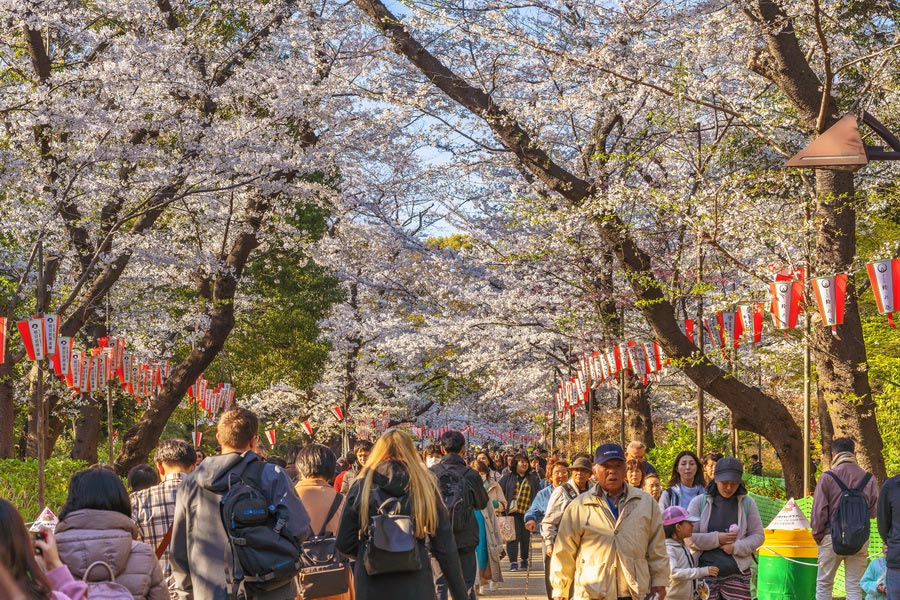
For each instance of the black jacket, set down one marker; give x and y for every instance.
(393, 479)
(478, 498)
(889, 519)
(200, 548)
(508, 485)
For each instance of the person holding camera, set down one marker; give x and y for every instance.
(32, 562)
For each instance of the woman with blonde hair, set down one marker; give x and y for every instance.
(394, 476)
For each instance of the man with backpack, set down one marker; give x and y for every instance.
(239, 524)
(463, 493)
(844, 502)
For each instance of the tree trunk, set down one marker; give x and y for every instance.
(87, 431)
(143, 437)
(826, 429)
(841, 364)
(55, 428)
(7, 415)
(638, 421)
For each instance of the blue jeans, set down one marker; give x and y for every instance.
(892, 583)
(469, 563)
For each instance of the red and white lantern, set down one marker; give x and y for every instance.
(198, 437)
(785, 308)
(270, 435)
(338, 413)
(308, 427)
(885, 278)
(830, 293)
(51, 333)
(731, 326)
(32, 331)
(751, 316)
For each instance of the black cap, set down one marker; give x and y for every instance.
(729, 469)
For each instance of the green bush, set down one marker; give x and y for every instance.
(18, 483)
(680, 436)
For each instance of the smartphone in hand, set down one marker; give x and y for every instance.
(39, 535)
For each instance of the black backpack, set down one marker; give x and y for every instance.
(263, 553)
(454, 490)
(391, 545)
(325, 572)
(850, 522)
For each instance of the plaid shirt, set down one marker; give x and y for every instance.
(524, 496)
(153, 510)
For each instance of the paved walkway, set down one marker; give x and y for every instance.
(513, 586)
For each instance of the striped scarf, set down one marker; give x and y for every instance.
(522, 499)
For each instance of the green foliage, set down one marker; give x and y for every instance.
(277, 340)
(456, 241)
(18, 483)
(680, 436)
(770, 487)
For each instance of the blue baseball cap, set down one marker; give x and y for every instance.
(607, 452)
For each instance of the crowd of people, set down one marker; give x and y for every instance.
(394, 521)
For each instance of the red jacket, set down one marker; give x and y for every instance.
(828, 495)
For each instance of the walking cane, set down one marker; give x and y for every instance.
(528, 566)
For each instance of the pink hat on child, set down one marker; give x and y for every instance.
(677, 514)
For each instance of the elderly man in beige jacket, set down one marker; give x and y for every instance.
(610, 544)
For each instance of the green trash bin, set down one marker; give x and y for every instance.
(787, 565)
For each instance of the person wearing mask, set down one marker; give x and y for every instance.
(490, 541)
(519, 486)
(469, 490)
(315, 465)
(38, 576)
(153, 509)
(95, 526)
(432, 455)
(729, 531)
(637, 450)
(202, 559)
(685, 484)
(395, 474)
(826, 498)
(557, 474)
(361, 450)
(653, 486)
(610, 542)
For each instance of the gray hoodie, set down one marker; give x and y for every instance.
(200, 549)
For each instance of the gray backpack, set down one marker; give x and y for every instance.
(105, 590)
